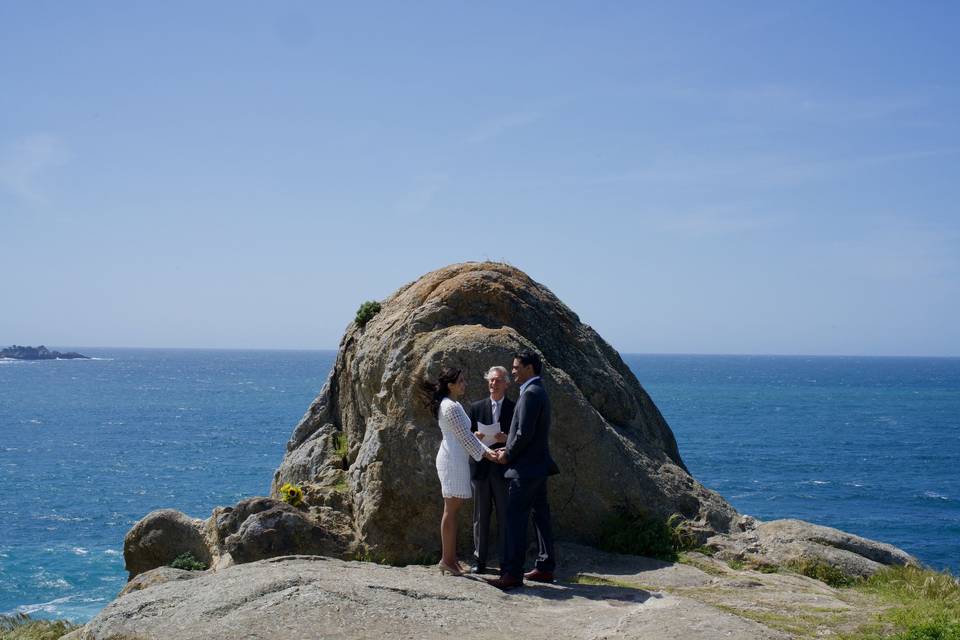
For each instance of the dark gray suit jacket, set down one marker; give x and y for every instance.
(528, 446)
(481, 411)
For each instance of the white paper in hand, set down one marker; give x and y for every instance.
(488, 431)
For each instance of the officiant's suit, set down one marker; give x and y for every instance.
(489, 486)
(528, 465)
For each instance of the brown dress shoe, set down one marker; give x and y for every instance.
(539, 576)
(505, 583)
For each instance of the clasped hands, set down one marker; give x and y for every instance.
(496, 455)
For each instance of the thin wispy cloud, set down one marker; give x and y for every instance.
(25, 163)
(895, 249)
(797, 104)
(497, 127)
(421, 195)
(759, 170)
(710, 221)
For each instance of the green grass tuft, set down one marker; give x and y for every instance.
(22, 627)
(635, 532)
(341, 447)
(584, 578)
(822, 571)
(366, 312)
(925, 604)
(186, 560)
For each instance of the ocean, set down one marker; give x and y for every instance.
(87, 447)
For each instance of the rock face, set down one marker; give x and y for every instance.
(161, 536)
(784, 543)
(254, 529)
(626, 597)
(365, 449)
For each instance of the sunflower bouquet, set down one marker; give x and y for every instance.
(291, 494)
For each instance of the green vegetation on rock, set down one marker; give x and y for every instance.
(23, 627)
(819, 570)
(188, 562)
(586, 578)
(636, 533)
(366, 311)
(341, 446)
(924, 605)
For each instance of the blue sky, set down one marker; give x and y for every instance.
(690, 178)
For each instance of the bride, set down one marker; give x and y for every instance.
(453, 465)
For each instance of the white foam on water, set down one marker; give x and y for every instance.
(59, 518)
(45, 607)
(80, 551)
(111, 552)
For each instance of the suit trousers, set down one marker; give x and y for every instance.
(526, 497)
(489, 492)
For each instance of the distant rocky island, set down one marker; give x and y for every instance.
(38, 353)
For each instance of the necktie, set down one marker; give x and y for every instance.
(496, 412)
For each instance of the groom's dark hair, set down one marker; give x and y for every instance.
(530, 358)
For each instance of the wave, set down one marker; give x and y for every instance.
(56, 517)
(45, 607)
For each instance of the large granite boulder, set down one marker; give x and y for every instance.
(253, 529)
(794, 543)
(159, 537)
(365, 449)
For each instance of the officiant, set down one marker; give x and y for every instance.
(490, 421)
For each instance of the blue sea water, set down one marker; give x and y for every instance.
(87, 447)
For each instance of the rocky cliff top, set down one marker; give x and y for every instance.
(598, 595)
(364, 457)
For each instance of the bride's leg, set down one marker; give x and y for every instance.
(448, 530)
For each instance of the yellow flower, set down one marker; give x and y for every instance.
(291, 494)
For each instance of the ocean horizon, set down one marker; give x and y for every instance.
(866, 444)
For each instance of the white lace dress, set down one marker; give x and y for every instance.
(458, 446)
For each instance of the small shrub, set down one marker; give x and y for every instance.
(366, 311)
(819, 570)
(20, 626)
(340, 444)
(291, 494)
(636, 533)
(187, 561)
(681, 535)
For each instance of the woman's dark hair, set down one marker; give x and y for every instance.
(530, 358)
(432, 393)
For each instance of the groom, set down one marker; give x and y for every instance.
(527, 456)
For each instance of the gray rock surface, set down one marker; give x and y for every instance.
(317, 597)
(254, 529)
(155, 577)
(158, 538)
(782, 543)
(365, 449)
